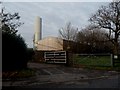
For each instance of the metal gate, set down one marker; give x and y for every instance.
(55, 57)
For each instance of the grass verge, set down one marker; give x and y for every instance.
(18, 74)
(115, 68)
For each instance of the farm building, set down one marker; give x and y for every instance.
(55, 44)
(50, 43)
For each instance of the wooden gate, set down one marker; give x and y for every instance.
(55, 57)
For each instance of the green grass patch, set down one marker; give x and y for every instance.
(95, 62)
(116, 68)
(18, 74)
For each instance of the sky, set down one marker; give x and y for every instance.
(54, 16)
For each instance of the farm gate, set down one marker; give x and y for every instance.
(55, 57)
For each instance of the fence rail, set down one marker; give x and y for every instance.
(55, 57)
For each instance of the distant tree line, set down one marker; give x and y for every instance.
(87, 40)
(93, 40)
(101, 36)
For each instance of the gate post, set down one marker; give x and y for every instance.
(112, 60)
(69, 58)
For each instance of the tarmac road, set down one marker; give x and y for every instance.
(55, 76)
(111, 82)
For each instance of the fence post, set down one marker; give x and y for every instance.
(112, 60)
(69, 58)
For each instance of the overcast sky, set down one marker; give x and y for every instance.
(54, 16)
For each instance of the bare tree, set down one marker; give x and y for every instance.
(9, 22)
(108, 17)
(94, 38)
(68, 34)
(90, 33)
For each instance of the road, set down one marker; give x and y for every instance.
(111, 82)
(52, 76)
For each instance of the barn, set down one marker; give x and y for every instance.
(55, 44)
(50, 44)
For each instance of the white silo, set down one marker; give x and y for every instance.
(38, 29)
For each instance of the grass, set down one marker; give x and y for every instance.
(95, 62)
(18, 74)
(109, 68)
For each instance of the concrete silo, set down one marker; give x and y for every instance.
(38, 30)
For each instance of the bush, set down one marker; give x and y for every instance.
(31, 54)
(14, 52)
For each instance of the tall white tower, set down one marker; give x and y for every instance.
(38, 30)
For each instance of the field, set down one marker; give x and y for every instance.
(95, 62)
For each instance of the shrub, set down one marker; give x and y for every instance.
(14, 52)
(30, 53)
